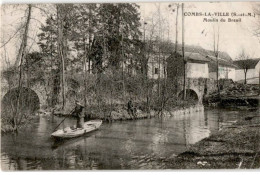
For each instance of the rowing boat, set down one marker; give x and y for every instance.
(69, 132)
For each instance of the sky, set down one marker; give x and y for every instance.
(233, 36)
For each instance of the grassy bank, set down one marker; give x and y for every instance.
(234, 147)
(115, 112)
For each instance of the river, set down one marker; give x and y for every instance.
(139, 144)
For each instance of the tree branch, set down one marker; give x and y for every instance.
(12, 36)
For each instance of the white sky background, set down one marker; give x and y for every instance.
(233, 36)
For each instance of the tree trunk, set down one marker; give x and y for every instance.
(217, 75)
(21, 56)
(218, 64)
(159, 75)
(56, 87)
(245, 71)
(85, 72)
(122, 53)
(183, 55)
(123, 74)
(89, 39)
(60, 19)
(216, 52)
(176, 26)
(56, 78)
(24, 40)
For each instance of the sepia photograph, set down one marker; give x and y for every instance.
(130, 85)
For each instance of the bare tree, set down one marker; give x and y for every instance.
(62, 44)
(24, 39)
(160, 36)
(20, 58)
(216, 52)
(183, 54)
(176, 5)
(244, 62)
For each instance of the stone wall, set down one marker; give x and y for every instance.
(201, 86)
(42, 93)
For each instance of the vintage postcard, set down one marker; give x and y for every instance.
(130, 86)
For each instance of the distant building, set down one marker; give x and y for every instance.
(157, 53)
(197, 65)
(226, 69)
(157, 65)
(201, 63)
(252, 75)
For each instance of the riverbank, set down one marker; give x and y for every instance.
(237, 96)
(236, 146)
(120, 113)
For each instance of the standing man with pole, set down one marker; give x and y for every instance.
(79, 114)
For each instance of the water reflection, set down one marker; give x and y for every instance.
(141, 144)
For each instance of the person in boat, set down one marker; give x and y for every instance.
(78, 113)
(130, 108)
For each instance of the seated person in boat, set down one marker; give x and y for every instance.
(78, 113)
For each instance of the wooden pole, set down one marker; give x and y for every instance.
(216, 51)
(176, 25)
(183, 55)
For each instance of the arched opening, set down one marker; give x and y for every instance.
(29, 102)
(191, 96)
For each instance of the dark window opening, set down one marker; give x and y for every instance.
(156, 70)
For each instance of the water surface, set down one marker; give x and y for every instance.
(140, 144)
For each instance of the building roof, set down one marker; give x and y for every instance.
(250, 63)
(197, 54)
(155, 57)
(222, 62)
(226, 63)
(169, 48)
(202, 51)
(193, 57)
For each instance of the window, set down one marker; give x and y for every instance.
(156, 70)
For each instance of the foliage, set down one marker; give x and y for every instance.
(98, 32)
(34, 67)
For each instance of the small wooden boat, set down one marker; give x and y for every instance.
(69, 132)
